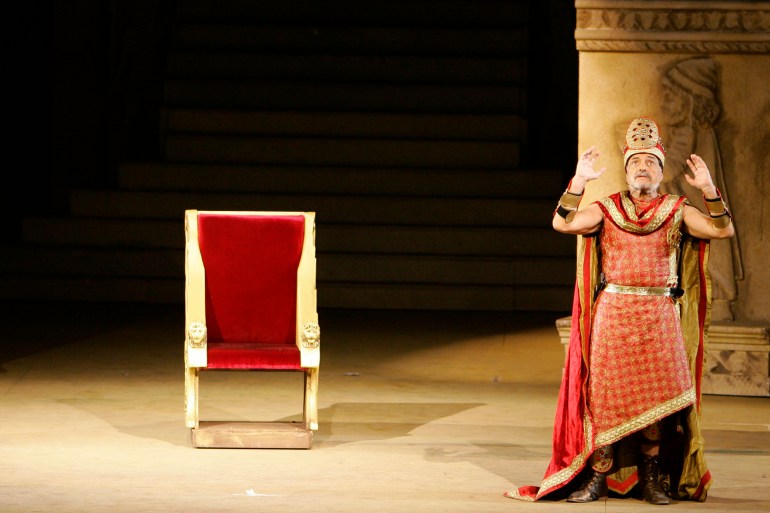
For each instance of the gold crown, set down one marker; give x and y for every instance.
(643, 136)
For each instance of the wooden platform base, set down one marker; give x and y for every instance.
(252, 435)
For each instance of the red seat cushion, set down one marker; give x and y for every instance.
(251, 266)
(238, 355)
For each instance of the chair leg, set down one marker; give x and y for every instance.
(310, 413)
(191, 397)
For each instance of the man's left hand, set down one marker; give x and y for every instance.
(701, 177)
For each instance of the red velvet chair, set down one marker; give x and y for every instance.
(250, 305)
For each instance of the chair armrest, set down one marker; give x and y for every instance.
(195, 348)
(308, 332)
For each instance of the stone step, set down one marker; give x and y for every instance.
(432, 297)
(383, 69)
(331, 238)
(487, 127)
(442, 270)
(334, 96)
(430, 13)
(104, 232)
(109, 289)
(498, 241)
(474, 183)
(363, 210)
(93, 262)
(297, 151)
(387, 40)
(331, 295)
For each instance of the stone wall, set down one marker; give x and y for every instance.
(701, 70)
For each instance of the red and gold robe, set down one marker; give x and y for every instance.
(633, 359)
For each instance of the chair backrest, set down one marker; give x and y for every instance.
(251, 264)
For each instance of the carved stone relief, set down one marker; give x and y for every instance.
(691, 106)
(675, 26)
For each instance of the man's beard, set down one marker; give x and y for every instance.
(646, 188)
(650, 187)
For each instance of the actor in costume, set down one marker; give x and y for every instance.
(628, 415)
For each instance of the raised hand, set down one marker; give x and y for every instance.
(584, 171)
(701, 177)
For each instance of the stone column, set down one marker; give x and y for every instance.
(701, 69)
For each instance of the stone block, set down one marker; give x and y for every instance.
(737, 360)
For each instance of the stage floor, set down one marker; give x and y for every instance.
(419, 412)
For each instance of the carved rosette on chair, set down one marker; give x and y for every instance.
(250, 305)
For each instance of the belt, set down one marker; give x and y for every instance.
(642, 291)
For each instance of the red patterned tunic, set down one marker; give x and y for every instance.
(634, 356)
(638, 365)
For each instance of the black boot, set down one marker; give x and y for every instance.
(594, 487)
(651, 491)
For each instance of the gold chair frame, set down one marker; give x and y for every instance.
(250, 434)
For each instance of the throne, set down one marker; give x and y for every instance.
(250, 305)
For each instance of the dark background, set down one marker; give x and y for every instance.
(83, 93)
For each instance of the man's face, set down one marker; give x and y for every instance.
(643, 173)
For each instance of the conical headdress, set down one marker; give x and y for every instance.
(643, 137)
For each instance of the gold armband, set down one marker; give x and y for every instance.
(568, 204)
(569, 200)
(716, 206)
(565, 213)
(721, 221)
